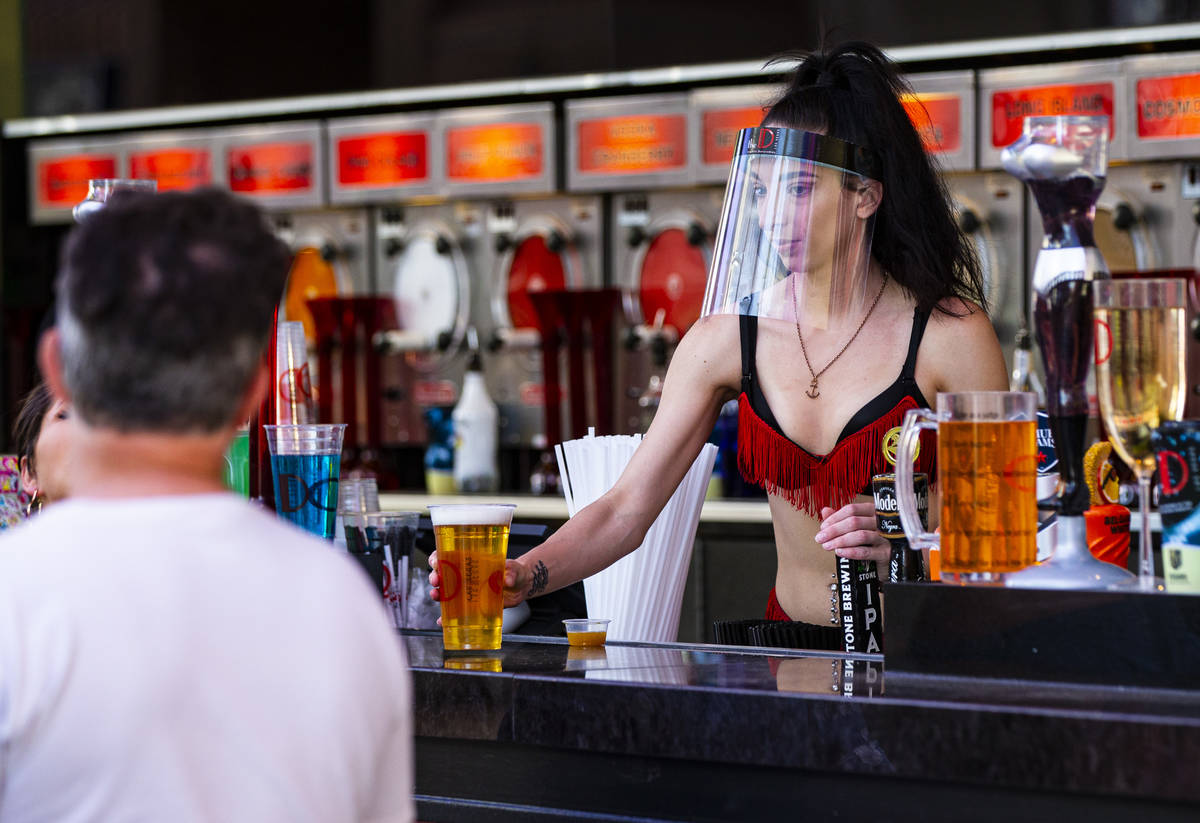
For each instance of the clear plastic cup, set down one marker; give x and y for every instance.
(293, 380)
(306, 462)
(391, 537)
(587, 631)
(472, 543)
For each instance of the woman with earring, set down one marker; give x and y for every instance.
(842, 294)
(42, 433)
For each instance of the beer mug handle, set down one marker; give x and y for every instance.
(914, 421)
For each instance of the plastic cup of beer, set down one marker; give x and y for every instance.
(587, 632)
(987, 477)
(306, 461)
(472, 543)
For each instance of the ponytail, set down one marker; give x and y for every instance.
(853, 92)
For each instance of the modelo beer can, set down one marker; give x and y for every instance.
(906, 563)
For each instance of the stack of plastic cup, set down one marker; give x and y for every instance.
(293, 381)
(394, 535)
(357, 496)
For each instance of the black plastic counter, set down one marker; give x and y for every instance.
(673, 732)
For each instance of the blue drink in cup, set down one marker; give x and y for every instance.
(306, 461)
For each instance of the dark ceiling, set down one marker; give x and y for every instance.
(87, 55)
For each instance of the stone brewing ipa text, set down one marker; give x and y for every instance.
(987, 473)
(472, 542)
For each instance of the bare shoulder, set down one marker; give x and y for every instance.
(710, 352)
(961, 351)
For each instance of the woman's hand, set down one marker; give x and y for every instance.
(517, 582)
(851, 532)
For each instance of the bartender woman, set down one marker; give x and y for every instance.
(842, 294)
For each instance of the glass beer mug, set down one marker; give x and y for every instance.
(987, 474)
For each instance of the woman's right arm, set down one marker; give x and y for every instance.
(703, 374)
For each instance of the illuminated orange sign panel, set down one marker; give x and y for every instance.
(272, 168)
(503, 151)
(1010, 107)
(637, 144)
(63, 181)
(1169, 106)
(719, 131)
(391, 158)
(938, 119)
(173, 168)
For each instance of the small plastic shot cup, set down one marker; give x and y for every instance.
(587, 631)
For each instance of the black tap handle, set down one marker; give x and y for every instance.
(1123, 217)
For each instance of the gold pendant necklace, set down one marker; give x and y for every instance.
(813, 390)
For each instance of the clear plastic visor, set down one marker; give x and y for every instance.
(794, 241)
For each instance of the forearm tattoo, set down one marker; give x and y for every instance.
(541, 576)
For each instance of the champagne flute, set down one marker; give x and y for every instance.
(1141, 379)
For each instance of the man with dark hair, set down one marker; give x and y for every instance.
(168, 651)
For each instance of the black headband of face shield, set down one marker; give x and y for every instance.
(806, 145)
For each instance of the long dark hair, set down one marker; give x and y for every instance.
(28, 425)
(853, 92)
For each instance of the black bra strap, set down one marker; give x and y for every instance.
(748, 325)
(920, 318)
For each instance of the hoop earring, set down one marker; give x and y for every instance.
(35, 505)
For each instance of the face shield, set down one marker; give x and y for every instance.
(794, 242)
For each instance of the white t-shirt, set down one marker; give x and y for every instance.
(193, 658)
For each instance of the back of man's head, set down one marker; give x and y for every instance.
(165, 306)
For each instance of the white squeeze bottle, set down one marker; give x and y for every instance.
(475, 426)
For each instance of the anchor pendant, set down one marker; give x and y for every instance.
(812, 389)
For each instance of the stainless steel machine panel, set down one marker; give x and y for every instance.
(426, 259)
(990, 210)
(943, 110)
(628, 143)
(496, 151)
(564, 232)
(382, 159)
(1008, 96)
(59, 171)
(278, 166)
(717, 115)
(178, 160)
(661, 249)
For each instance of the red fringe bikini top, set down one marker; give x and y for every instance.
(768, 458)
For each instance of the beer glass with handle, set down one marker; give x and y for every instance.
(1140, 379)
(987, 469)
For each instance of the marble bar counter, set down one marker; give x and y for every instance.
(540, 731)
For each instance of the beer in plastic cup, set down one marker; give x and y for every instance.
(987, 476)
(306, 461)
(472, 543)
